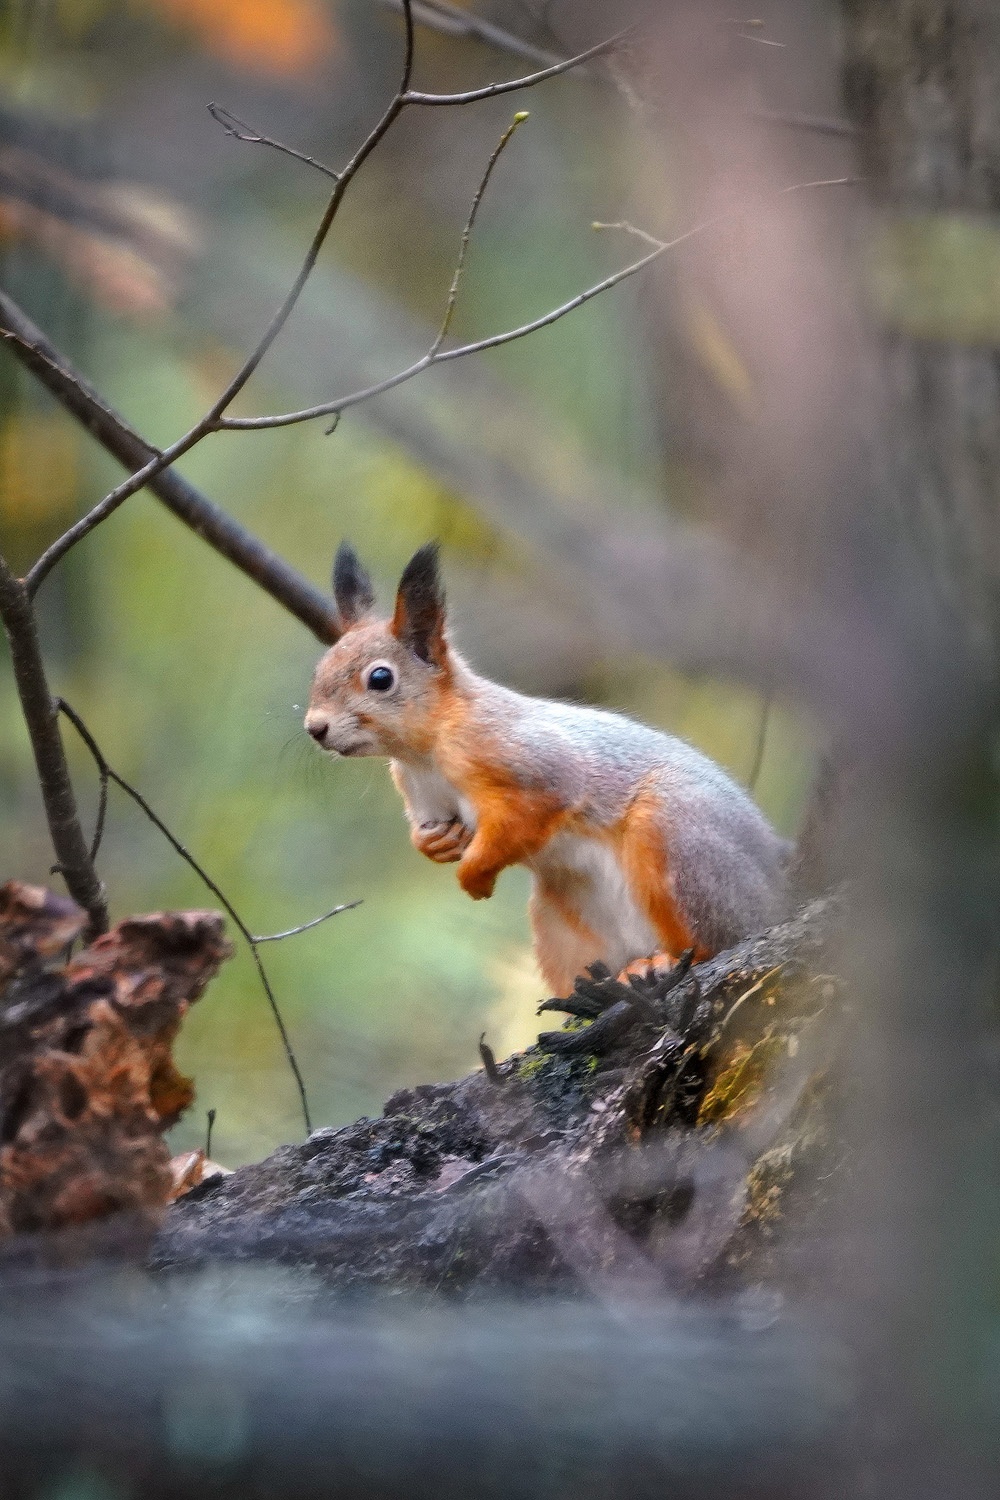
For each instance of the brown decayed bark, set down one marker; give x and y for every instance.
(87, 1081)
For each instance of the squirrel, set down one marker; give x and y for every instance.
(640, 847)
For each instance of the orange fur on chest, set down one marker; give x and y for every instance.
(473, 763)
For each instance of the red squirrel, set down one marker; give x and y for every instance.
(639, 846)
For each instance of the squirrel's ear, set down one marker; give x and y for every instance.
(418, 621)
(352, 587)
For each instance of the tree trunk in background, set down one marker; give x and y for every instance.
(922, 80)
(922, 83)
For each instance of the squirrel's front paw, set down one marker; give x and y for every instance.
(476, 881)
(443, 842)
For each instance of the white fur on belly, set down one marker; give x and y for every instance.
(601, 896)
(432, 798)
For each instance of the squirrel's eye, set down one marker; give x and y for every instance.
(381, 679)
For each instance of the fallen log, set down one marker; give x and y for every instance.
(664, 1150)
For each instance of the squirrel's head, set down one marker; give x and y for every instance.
(379, 690)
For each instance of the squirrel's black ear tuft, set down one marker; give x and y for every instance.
(352, 586)
(419, 618)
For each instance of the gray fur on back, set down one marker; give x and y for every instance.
(728, 864)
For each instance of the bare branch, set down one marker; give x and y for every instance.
(822, 182)
(210, 421)
(241, 131)
(154, 463)
(389, 115)
(245, 551)
(440, 356)
(76, 864)
(436, 356)
(492, 90)
(109, 774)
(452, 21)
(470, 223)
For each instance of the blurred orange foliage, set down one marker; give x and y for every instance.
(116, 275)
(266, 36)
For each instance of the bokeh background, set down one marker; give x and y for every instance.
(152, 248)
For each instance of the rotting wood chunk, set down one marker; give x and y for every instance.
(87, 1080)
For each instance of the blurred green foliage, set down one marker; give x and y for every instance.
(937, 276)
(191, 679)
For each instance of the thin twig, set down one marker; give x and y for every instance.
(470, 223)
(435, 356)
(106, 770)
(102, 813)
(276, 937)
(241, 131)
(627, 228)
(209, 521)
(510, 86)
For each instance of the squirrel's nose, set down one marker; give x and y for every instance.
(318, 729)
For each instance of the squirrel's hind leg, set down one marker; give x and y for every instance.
(564, 946)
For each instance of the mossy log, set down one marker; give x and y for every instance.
(681, 1138)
